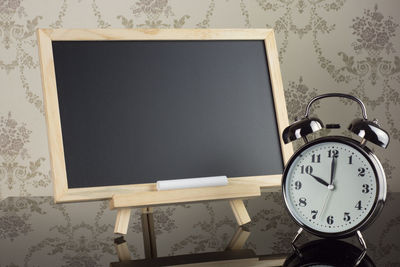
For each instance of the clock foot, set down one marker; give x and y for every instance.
(364, 245)
(296, 250)
(361, 239)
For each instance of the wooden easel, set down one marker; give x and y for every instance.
(234, 192)
(126, 195)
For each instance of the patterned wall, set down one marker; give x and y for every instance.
(324, 46)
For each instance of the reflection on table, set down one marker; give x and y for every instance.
(320, 252)
(234, 254)
(36, 232)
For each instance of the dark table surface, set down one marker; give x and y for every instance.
(36, 232)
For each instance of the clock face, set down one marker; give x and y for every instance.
(330, 187)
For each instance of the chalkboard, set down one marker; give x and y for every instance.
(138, 111)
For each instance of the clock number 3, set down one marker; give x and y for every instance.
(365, 188)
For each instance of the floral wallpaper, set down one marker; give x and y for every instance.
(324, 46)
(346, 47)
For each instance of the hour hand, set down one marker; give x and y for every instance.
(319, 180)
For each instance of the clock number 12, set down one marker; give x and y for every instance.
(333, 153)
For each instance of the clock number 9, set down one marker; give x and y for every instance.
(297, 185)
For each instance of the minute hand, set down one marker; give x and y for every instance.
(333, 168)
(319, 180)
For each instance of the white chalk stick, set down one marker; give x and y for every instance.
(192, 183)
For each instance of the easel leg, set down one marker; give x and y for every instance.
(122, 222)
(149, 237)
(240, 211)
(239, 239)
(122, 249)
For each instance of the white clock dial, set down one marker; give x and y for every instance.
(330, 187)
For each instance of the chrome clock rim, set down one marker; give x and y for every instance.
(379, 177)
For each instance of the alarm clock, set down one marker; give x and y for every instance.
(334, 186)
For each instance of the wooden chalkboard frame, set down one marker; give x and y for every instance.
(58, 168)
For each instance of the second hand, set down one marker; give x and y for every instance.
(330, 186)
(328, 196)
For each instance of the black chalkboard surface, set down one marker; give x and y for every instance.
(136, 112)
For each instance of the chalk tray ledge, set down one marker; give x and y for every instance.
(157, 198)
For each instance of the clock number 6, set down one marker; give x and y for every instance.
(329, 219)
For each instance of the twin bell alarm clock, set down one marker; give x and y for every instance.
(334, 186)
